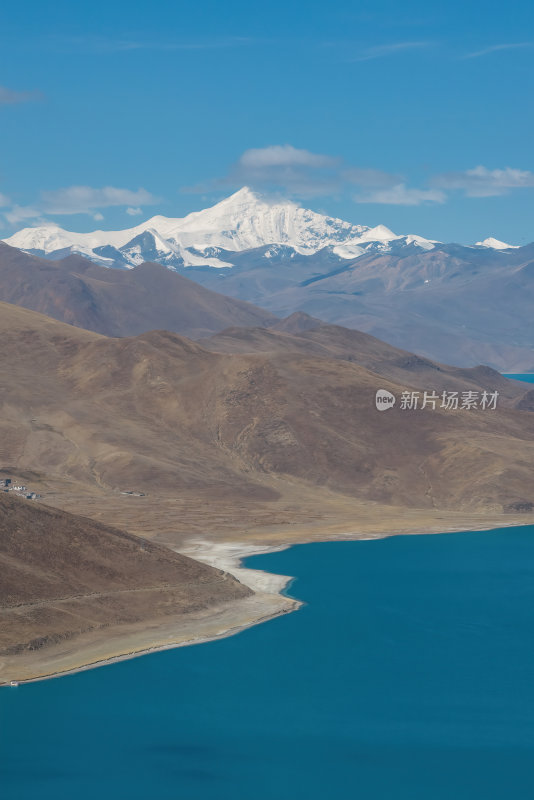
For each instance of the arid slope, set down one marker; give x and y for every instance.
(277, 439)
(118, 302)
(161, 414)
(64, 576)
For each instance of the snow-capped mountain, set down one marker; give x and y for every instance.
(244, 221)
(452, 302)
(496, 244)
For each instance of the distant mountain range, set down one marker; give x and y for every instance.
(454, 303)
(242, 222)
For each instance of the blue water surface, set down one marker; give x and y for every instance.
(408, 674)
(526, 377)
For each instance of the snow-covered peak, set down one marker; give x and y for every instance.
(420, 241)
(49, 238)
(243, 198)
(378, 234)
(244, 221)
(247, 220)
(381, 239)
(348, 251)
(496, 244)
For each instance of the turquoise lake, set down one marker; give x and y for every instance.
(408, 674)
(526, 377)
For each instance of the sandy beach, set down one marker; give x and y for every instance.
(229, 556)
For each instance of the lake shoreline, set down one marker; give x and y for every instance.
(267, 603)
(406, 672)
(156, 649)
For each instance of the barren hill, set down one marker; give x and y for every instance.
(119, 302)
(163, 414)
(65, 576)
(276, 439)
(300, 333)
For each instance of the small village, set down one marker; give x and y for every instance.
(7, 485)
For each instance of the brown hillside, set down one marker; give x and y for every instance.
(161, 413)
(313, 338)
(118, 302)
(64, 575)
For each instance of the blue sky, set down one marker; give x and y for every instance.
(416, 115)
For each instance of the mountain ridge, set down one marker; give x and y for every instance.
(452, 303)
(119, 302)
(163, 412)
(243, 221)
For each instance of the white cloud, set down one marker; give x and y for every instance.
(104, 45)
(287, 169)
(4, 200)
(21, 214)
(496, 48)
(302, 174)
(384, 50)
(83, 199)
(369, 177)
(134, 212)
(283, 156)
(484, 182)
(295, 172)
(12, 97)
(78, 200)
(402, 195)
